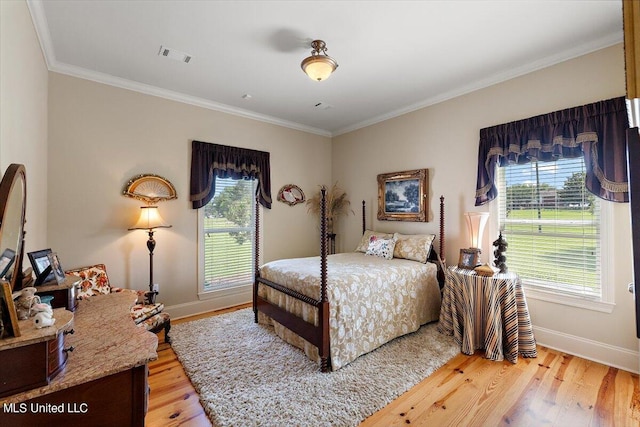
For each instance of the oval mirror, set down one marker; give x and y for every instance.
(13, 195)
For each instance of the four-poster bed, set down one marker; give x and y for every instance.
(364, 303)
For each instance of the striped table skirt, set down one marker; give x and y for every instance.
(487, 313)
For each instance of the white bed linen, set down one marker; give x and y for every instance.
(372, 300)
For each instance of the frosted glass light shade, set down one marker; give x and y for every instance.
(319, 67)
(476, 221)
(149, 219)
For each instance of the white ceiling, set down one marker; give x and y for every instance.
(394, 56)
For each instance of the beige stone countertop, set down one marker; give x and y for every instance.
(29, 334)
(106, 342)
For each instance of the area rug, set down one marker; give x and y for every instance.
(247, 376)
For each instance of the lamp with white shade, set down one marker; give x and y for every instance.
(476, 221)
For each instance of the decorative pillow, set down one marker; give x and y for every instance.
(415, 247)
(94, 280)
(382, 248)
(366, 237)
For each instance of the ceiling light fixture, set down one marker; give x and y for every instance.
(319, 65)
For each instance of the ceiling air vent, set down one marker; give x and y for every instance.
(174, 54)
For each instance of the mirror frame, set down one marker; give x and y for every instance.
(14, 175)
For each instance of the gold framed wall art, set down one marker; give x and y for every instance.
(404, 196)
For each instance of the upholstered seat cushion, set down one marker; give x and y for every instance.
(141, 312)
(156, 322)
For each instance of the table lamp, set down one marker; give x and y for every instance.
(476, 221)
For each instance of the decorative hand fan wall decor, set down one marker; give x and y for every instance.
(291, 194)
(150, 188)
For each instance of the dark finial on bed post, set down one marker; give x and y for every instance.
(442, 254)
(256, 260)
(364, 223)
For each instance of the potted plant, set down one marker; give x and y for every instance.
(337, 205)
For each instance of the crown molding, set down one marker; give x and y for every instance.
(110, 80)
(557, 58)
(36, 9)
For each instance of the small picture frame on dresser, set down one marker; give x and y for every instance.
(8, 311)
(56, 267)
(41, 266)
(6, 261)
(468, 258)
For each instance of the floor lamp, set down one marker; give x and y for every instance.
(149, 220)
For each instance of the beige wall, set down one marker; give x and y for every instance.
(444, 138)
(23, 113)
(101, 136)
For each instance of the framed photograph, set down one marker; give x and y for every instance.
(468, 258)
(8, 313)
(56, 267)
(6, 261)
(403, 196)
(40, 261)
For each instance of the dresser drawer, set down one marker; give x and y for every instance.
(57, 356)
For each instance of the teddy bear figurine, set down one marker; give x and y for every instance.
(26, 301)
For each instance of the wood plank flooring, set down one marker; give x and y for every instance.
(555, 389)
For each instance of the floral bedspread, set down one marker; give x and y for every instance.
(372, 300)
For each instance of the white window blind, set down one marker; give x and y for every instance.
(229, 232)
(552, 225)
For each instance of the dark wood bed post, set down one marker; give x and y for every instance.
(323, 308)
(443, 256)
(256, 260)
(363, 218)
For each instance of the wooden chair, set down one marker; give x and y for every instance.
(146, 313)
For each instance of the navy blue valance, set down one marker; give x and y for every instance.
(595, 131)
(209, 161)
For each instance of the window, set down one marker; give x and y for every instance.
(228, 235)
(552, 225)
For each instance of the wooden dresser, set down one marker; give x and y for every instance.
(64, 294)
(104, 382)
(35, 357)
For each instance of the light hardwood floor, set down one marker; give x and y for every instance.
(555, 389)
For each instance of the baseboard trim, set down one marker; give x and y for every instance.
(618, 357)
(180, 311)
